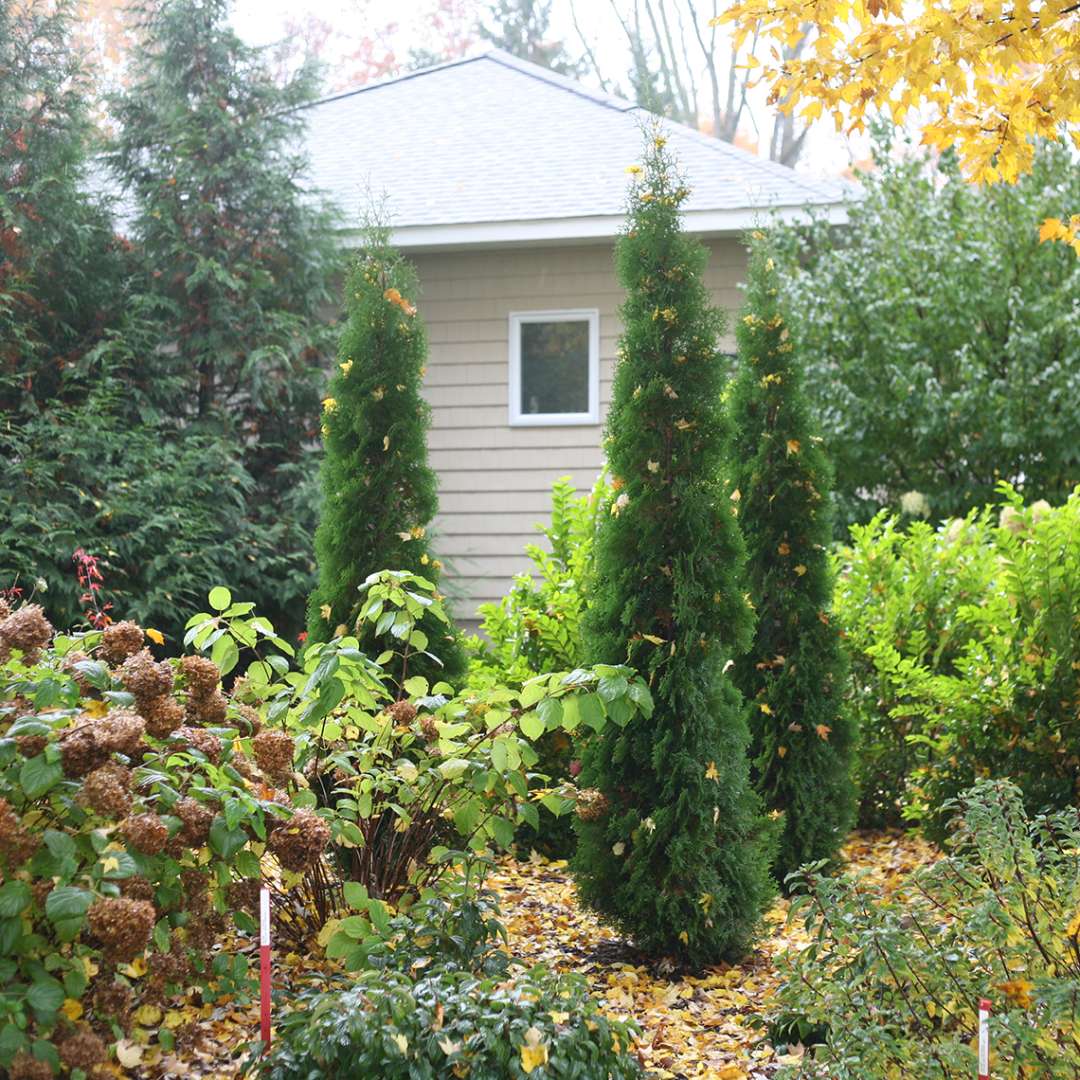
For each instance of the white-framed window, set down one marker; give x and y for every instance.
(555, 367)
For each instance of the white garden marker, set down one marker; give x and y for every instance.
(264, 964)
(984, 1039)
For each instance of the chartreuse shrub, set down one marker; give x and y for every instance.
(792, 676)
(891, 984)
(379, 494)
(966, 655)
(674, 849)
(537, 626)
(906, 598)
(130, 838)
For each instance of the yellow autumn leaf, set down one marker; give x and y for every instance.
(147, 1015)
(793, 446)
(731, 1072)
(711, 772)
(1051, 229)
(386, 442)
(325, 611)
(800, 569)
(156, 636)
(781, 751)
(401, 1042)
(72, 1009)
(534, 1052)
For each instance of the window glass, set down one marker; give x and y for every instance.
(555, 367)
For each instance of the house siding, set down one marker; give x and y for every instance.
(494, 479)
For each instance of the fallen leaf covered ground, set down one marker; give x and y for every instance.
(707, 1026)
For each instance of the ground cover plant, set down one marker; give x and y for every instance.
(792, 675)
(673, 847)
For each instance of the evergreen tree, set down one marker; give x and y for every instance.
(61, 269)
(802, 741)
(673, 848)
(379, 494)
(238, 257)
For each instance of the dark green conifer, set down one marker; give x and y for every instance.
(673, 847)
(802, 741)
(379, 494)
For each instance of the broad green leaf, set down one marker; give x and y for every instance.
(532, 725)
(37, 776)
(220, 598)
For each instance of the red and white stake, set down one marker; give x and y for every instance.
(264, 964)
(984, 1039)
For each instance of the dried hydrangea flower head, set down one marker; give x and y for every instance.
(119, 641)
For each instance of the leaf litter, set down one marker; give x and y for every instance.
(709, 1025)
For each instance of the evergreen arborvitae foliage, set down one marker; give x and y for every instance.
(673, 847)
(802, 741)
(379, 494)
(62, 268)
(238, 255)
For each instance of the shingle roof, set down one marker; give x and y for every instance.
(494, 148)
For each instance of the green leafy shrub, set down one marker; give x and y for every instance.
(893, 984)
(673, 846)
(425, 1026)
(941, 338)
(453, 925)
(412, 769)
(537, 626)
(137, 802)
(965, 656)
(132, 821)
(792, 675)
(379, 493)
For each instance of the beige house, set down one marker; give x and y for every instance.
(506, 184)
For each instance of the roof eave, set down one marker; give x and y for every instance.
(580, 230)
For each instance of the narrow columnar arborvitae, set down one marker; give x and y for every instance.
(379, 493)
(802, 739)
(673, 848)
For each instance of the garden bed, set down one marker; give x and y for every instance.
(707, 1025)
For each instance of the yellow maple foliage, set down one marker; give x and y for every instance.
(987, 77)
